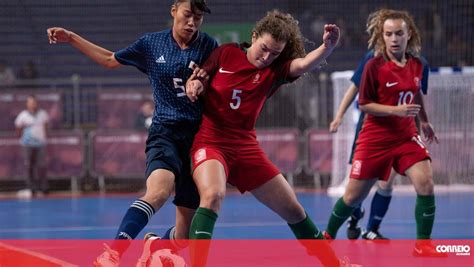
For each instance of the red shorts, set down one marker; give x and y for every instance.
(247, 167)
(377, 163)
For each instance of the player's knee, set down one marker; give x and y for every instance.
(384, 189)
(291, 211)
(297, 214)
(424, 185)
(352, 200)
(212, 199)
(157, 197)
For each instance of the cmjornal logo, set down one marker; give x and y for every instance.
(460, 250)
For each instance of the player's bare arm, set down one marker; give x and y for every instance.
(349, 96)
(318, 56)
(425, 125)
(410, 110)
(419, 100)
(99, 54)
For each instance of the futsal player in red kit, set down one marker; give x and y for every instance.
(225, 148)
(390, 96)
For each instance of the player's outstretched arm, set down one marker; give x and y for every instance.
(349, 96)
(99, 54)
(318, 56)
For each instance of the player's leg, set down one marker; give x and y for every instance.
(186, 197)
(174, 239)
(278, 195)
(184, 217)
(414, 161)
(353, 228)
(176, 234)
(356, 191)
(379, 207)
(162, 163)
(186, 201)
(421, 175)
(159, 186)
(210, 179)
(258, 175)
(179, 233)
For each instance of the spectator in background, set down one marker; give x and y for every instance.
(145, 116)
(28, 71)
(31, 125)
(6, 74)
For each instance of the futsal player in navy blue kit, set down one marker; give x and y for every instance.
(383, 195)
(168, 59)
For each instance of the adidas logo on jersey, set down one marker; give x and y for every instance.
(161, 59)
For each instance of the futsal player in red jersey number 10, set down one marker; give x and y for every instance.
(390, 96)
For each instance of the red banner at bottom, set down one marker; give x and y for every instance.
(248, 253)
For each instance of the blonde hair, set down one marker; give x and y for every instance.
(283, 28)
(374, 28)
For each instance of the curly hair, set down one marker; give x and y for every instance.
(283, 28)
(374, 28)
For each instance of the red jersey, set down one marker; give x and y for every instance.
(237, 93)
(386, 83)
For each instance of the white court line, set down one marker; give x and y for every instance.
(442, 189)
(408, 189)
(218, 225)
(157, 226)
(38, 255)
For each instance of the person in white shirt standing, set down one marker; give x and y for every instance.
(31, 124)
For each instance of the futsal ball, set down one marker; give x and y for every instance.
(165, 258)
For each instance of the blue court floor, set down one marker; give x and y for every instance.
(242, 217)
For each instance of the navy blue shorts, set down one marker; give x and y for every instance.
(167, 147)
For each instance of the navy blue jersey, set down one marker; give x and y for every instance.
(356, 77)
(168, 67)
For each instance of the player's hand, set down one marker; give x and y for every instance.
(409, 110)
(193, 89)
(199, 74)
(195, 83)
(57, 34)
(429, 133)
(334, 125)
(331, 35)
